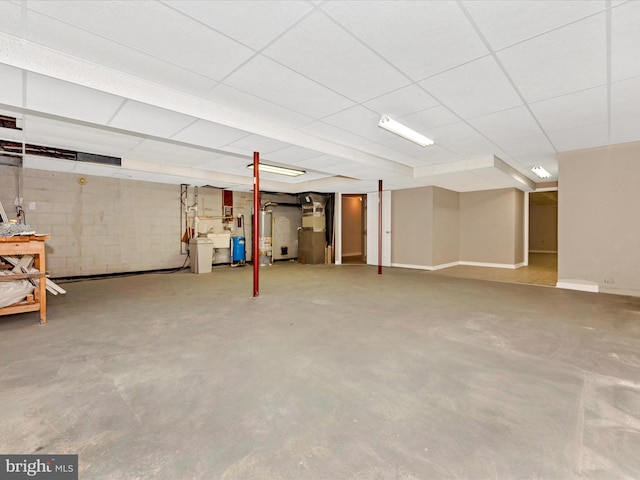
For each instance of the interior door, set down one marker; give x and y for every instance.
(372, 228)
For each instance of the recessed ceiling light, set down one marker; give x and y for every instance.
(540, 172)
(289, 172)
(403, 131)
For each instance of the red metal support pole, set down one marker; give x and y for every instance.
(256, 223)
(379, 227)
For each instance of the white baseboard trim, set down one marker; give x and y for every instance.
(578, 285)
(493, 265)
(453, 264)
(425, 267)
(543, 251)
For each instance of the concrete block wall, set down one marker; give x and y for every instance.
(106, 225)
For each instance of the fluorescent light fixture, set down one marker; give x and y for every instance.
(540, 172)
(405, 132)
(289, 172)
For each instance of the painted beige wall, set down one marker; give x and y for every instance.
(491, 226)
(412, 226)
(543, 228)
(518, 226)
(351, 225)
(446, 226)
(598, 219)
(108, 225)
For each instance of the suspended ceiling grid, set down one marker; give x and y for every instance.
(185, 91)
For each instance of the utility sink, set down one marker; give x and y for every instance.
(220, 240)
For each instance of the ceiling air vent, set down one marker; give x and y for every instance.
(14, 149)
(9, 122)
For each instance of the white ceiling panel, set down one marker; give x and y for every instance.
(292, 155)
(513, 123)
(209, 134)
(320, 163)
(524, 146)
(382, 150)
(625, 41)
(490, 90)
(338, 135)
(572, 110)
(401, 102)
(11, 91)
(84, 44)
(459, 138)
(147, 119)
(327, 45)
(170, 153)
(358, 120)
(258, 143)
(253, 23)
(588, 136)
(11, 18)
(504, 23)
(430, 118)
(625, 98)
(55, 133)
(65, 99)
(565, 60)
(273, 82)
(623, 131)
(411, 34)
(127, 23)
(255, 106)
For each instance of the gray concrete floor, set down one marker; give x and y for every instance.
(332, 373)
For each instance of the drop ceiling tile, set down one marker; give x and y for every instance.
(11, 18)
(320, 163)
(461, 138)
(141, 118)
(572, 110)
(430, 118)
(504, 23)
(513, 123)
(489, 91)
(588, 136)
(78, 137)
(627, 130)
(254, 23)
(170, 153)
(11, 91)
(46, 94)
(255, 106)
(320, 49)
(625, 41)
(270, 81)
(334, 134)
(292, 155)
(86, 45)
(389, 153)
(531, 145)
(209, 134)
(258, 143)
(127, 23)
(566, 60)
(358, 120)
(625, 98)
(401, 102)
(410, 35)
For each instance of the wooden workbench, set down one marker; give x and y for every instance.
(28, 245)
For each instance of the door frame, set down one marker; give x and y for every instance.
(526, 220)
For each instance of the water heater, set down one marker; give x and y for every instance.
(265, 238)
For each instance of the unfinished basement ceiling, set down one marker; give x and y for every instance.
(186, 91)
